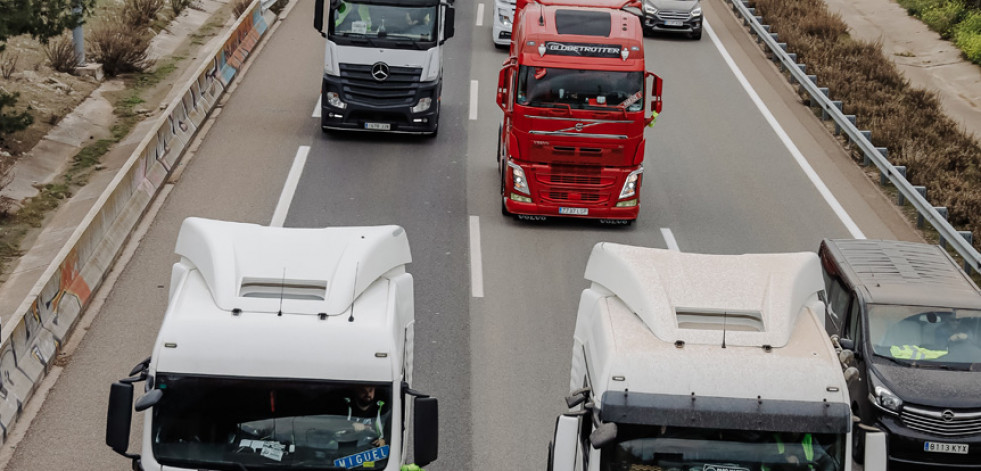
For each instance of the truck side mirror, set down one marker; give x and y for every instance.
(425, 430)
(603, 435)
(562, 455)
(656, 87)
(875, 451)
(503, 82)
(119, 417)
(448, 28)
(318, 16)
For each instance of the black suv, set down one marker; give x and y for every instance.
(908, 322)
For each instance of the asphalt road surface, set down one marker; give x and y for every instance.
(734, 165)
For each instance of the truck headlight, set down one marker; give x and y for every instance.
(423, 105)
(333, 99)
(518, 180)
(883, 398)
(630, 186)
(696, 12)
(504, 16)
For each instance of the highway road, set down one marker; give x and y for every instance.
(734, 165)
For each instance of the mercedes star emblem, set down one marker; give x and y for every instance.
(379, 71)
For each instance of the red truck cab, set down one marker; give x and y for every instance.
(576, 99)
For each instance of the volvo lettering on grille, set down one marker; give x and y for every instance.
(379, 71)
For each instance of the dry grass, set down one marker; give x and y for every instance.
(907, 121)
(120, 48)
(60, 52)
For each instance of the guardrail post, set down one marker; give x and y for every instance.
(969, 237)
(942, 210)
(920, 220)
(824, 113)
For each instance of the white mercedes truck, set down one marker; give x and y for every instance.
(383, 65)
(686, 362)
(281, 348)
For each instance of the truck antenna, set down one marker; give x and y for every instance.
(282, 292)
(725, 316)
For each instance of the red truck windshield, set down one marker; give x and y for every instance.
(549, 87)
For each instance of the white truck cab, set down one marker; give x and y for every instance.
(710, 362)
(281, 348)
(383, 63)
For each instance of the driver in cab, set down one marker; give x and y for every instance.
(366, 412)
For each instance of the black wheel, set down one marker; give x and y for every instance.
(504, 208)
(858, 445)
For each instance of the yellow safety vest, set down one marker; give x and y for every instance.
(343, 10)
(913, 352)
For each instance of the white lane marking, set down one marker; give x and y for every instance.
(669, 239)
(473, 100)
(804, 165)
(480, 14)
(316, 111)
(476, 265)
(289, 188)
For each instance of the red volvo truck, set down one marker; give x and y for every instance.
(576, 99)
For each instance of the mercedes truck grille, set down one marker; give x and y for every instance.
(942, 422)
(398, 88)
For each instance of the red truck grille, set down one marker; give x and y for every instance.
(575, 184)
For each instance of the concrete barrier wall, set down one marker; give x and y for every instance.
(33, 337)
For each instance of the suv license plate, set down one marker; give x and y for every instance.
(959, 448)
(574, 211)
(378, 126)
(673, 23)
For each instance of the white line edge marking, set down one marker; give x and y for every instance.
(476, 265)
(316, 111)
(669, 239)
(473, 100)
(480, 14)
(805, 166)
(289, 188)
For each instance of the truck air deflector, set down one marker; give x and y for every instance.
(583, 22)
(725, 412)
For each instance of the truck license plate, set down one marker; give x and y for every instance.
(574, 211)
(673, 23)
(378, 126)
(959, 448)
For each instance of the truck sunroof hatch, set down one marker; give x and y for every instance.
(587, 23)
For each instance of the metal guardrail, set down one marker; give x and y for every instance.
(936, 216)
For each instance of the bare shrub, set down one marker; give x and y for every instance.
(239, 7)
(120, 48)
(909, 122)
(60, 52)
(178, 6)
(141, 13)
(8, 64)
(6, 176)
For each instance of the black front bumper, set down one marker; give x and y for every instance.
(906, 449)
(660, 25)
(380, 112)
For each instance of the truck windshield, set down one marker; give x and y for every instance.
(683, 448)
(227, 423)
(926, 336)
(549, 87)
(400, 24)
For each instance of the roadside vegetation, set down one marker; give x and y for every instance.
(958, 21)
(118, 36)
(909, 122)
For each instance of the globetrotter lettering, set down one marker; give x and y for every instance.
(576, 49)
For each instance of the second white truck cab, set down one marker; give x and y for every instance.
(383, 63)
(687, 361)
(281, 348)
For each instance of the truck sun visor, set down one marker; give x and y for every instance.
(587, 23)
